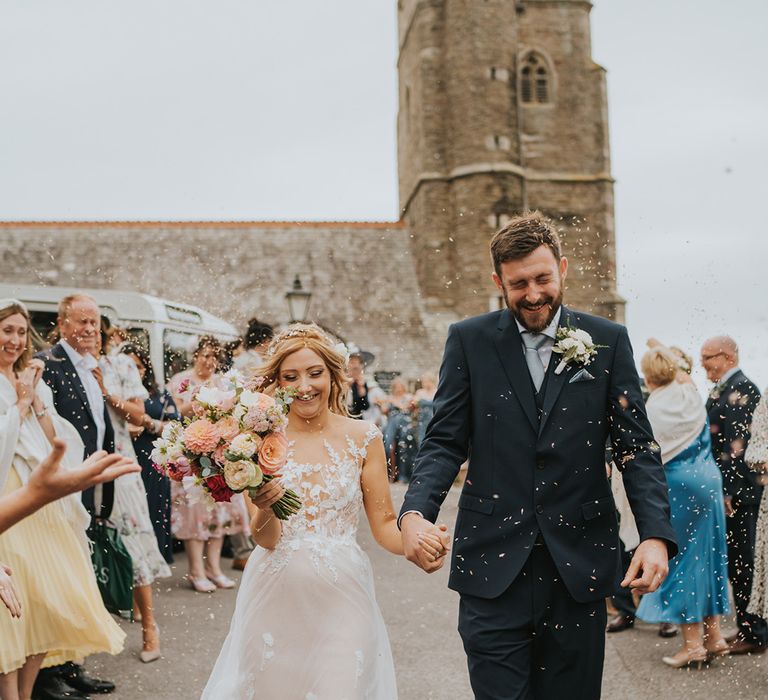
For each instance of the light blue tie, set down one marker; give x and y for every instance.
(532, 343)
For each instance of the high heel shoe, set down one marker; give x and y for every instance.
(153, 654)
(718, 650)
(201, 585)
(687, 658)
(222, 581)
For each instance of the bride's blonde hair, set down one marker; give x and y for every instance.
(308, 335)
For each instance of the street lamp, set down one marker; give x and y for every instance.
(298, 301)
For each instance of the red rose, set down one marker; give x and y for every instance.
(220, 492)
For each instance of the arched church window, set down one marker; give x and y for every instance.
(535, 79)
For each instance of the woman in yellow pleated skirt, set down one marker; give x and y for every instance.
(63, 617)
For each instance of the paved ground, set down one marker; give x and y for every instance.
(420, 613)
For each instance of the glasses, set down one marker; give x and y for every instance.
(706, 358)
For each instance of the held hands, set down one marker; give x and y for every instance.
(8, 593)
(26, 383)
(424, 544)
(649, 567)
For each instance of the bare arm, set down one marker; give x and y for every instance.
(378, 500)
(48, 482)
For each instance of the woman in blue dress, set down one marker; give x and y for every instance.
(159, 408)
(695, 593)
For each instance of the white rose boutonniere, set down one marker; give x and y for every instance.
(575, 346)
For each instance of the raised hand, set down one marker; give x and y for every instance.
(8, 593)
(50, 482)
(418, 535)
(648, 568)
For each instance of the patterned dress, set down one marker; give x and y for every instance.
(307, 625)
(757, 454)
(131, 512)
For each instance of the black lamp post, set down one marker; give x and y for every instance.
(298, 300)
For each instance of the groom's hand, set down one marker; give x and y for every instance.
(649, 567)
(412, 527)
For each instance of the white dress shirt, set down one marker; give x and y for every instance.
(545, 351)
(84, 366)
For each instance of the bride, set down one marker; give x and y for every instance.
(306, 624)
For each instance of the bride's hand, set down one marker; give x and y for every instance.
(435, 543)
(268, 495)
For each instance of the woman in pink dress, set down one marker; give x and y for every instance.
(202, 529)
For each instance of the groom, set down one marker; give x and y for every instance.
(536, 548)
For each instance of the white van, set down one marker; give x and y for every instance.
(168, 329)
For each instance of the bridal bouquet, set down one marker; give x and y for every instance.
(235, 442)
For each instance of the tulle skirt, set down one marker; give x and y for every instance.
(307, 627)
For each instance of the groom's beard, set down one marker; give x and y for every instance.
(547, 306)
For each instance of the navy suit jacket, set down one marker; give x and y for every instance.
(531, 475)
(71, 403)
(730, 417)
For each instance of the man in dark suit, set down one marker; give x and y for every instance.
(730, 406)
(69, 368)
(536, 547)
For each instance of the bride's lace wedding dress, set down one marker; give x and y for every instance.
(306, 625)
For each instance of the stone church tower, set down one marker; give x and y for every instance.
(502, 109)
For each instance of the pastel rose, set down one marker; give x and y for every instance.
(201, 436)
(273, 453)
(242, 474)
(244, 445)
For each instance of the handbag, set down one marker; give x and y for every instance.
(112, 566)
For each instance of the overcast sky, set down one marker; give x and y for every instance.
(248, 109)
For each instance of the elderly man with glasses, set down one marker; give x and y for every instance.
(731, 403)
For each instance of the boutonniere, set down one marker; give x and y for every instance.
(575, 346)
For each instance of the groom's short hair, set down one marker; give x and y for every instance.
(521, 235)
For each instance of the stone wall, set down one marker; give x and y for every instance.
(362, 276)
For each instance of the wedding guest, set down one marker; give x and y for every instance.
(399, 439)
(695, 593)
(255, 342)
(124, 394)
(424, 407)
(359, 401)
(49, 482)
(202, 530)
(730, 406)
(65, 619)
(69, 366)
(159, 409)
(756, 456)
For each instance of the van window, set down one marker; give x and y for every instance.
(140, 336)
(177, 351)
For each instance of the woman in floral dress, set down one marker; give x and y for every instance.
(124, 393)
(203, 529)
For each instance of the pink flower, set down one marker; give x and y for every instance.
(218, 454)
(176, 471)
(201, 436)
(273, 453)
(228, 426)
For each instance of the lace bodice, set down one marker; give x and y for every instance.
(331, 497)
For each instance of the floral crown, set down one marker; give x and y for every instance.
(312, 331)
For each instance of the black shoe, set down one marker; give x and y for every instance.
(76, 676)
(55, 688)
(620, 623)
(667, 630)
